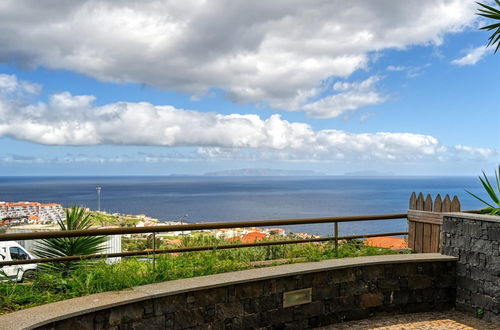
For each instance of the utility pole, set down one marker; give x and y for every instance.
(98, 188)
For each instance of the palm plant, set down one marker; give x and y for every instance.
(76, 219)
(490, 209)
(493, 13)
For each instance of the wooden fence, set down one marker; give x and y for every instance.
(425, 219)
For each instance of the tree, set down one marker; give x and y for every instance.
(493, 13)
(76, 219)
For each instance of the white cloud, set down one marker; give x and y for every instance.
(474, 56)
(9, 84)
(74, 120)
(271, 52)
(351, 97)
(366, 116)
(396, 68)
(479, 152)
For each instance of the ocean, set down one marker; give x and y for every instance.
(210, 199)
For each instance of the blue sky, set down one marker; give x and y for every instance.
(157, 88)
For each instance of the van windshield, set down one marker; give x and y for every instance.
(18, 254)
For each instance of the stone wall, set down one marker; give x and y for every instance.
(475, 240)
(401, 284)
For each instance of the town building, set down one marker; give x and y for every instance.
(31, 212)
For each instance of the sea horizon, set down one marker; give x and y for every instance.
(198, 199)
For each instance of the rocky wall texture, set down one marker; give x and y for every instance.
(337, 295)
(475, 241)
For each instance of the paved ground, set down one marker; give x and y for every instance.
(418, 321)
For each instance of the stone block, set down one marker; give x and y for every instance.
(125, 314)
(340, 304)
(494, 233)
(448, 225)
(399, 297)
(462, 294)
(368, 300)
(169, 320)
(287, 284)
(446, 281)
(373, 273)
(277, 316)
(249, 290)
(210, 296)
(403, 270)
(305, 280)
(343, 276)
(308, 310)
(251, 306)
(403, 283)
(480, 245)
(472, 229)
(170, 304)
(76, 323)
(297, 325)
(270, 287)
(148, 306)
(354, 288)
(246, 322)
(209, 313)
(467, 283)
(229, 310)
(101, 320)
(419, 282)
(270, 302)
(492, 288)
(325, 292)
(186, 318)
(462, 269)
(389, 284)
(483, 301)
(157, 322)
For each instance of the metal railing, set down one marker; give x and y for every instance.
(199, 226)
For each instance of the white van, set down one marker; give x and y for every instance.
(10, 250)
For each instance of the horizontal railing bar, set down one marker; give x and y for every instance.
(195, 226)
(193, 249)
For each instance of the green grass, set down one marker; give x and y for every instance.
(97, 276)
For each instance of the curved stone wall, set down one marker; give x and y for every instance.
(334, 291)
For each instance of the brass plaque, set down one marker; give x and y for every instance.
(297, 297)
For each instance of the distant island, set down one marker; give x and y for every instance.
(264, 172)
(369, 173)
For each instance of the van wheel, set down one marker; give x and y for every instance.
(29, 275)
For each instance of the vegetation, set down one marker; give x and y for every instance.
(94, 277)
(493, 13)
(104, 219)
(494, 195)
(76, 219)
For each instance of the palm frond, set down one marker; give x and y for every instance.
(491, 13)
(76, 219)
(490, 190)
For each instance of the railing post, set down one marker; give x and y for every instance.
(336, 235)
(154, 251)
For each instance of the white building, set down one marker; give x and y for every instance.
(32, 212)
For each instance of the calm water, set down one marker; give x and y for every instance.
(207, 199)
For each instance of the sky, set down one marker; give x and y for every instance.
(189, 87)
